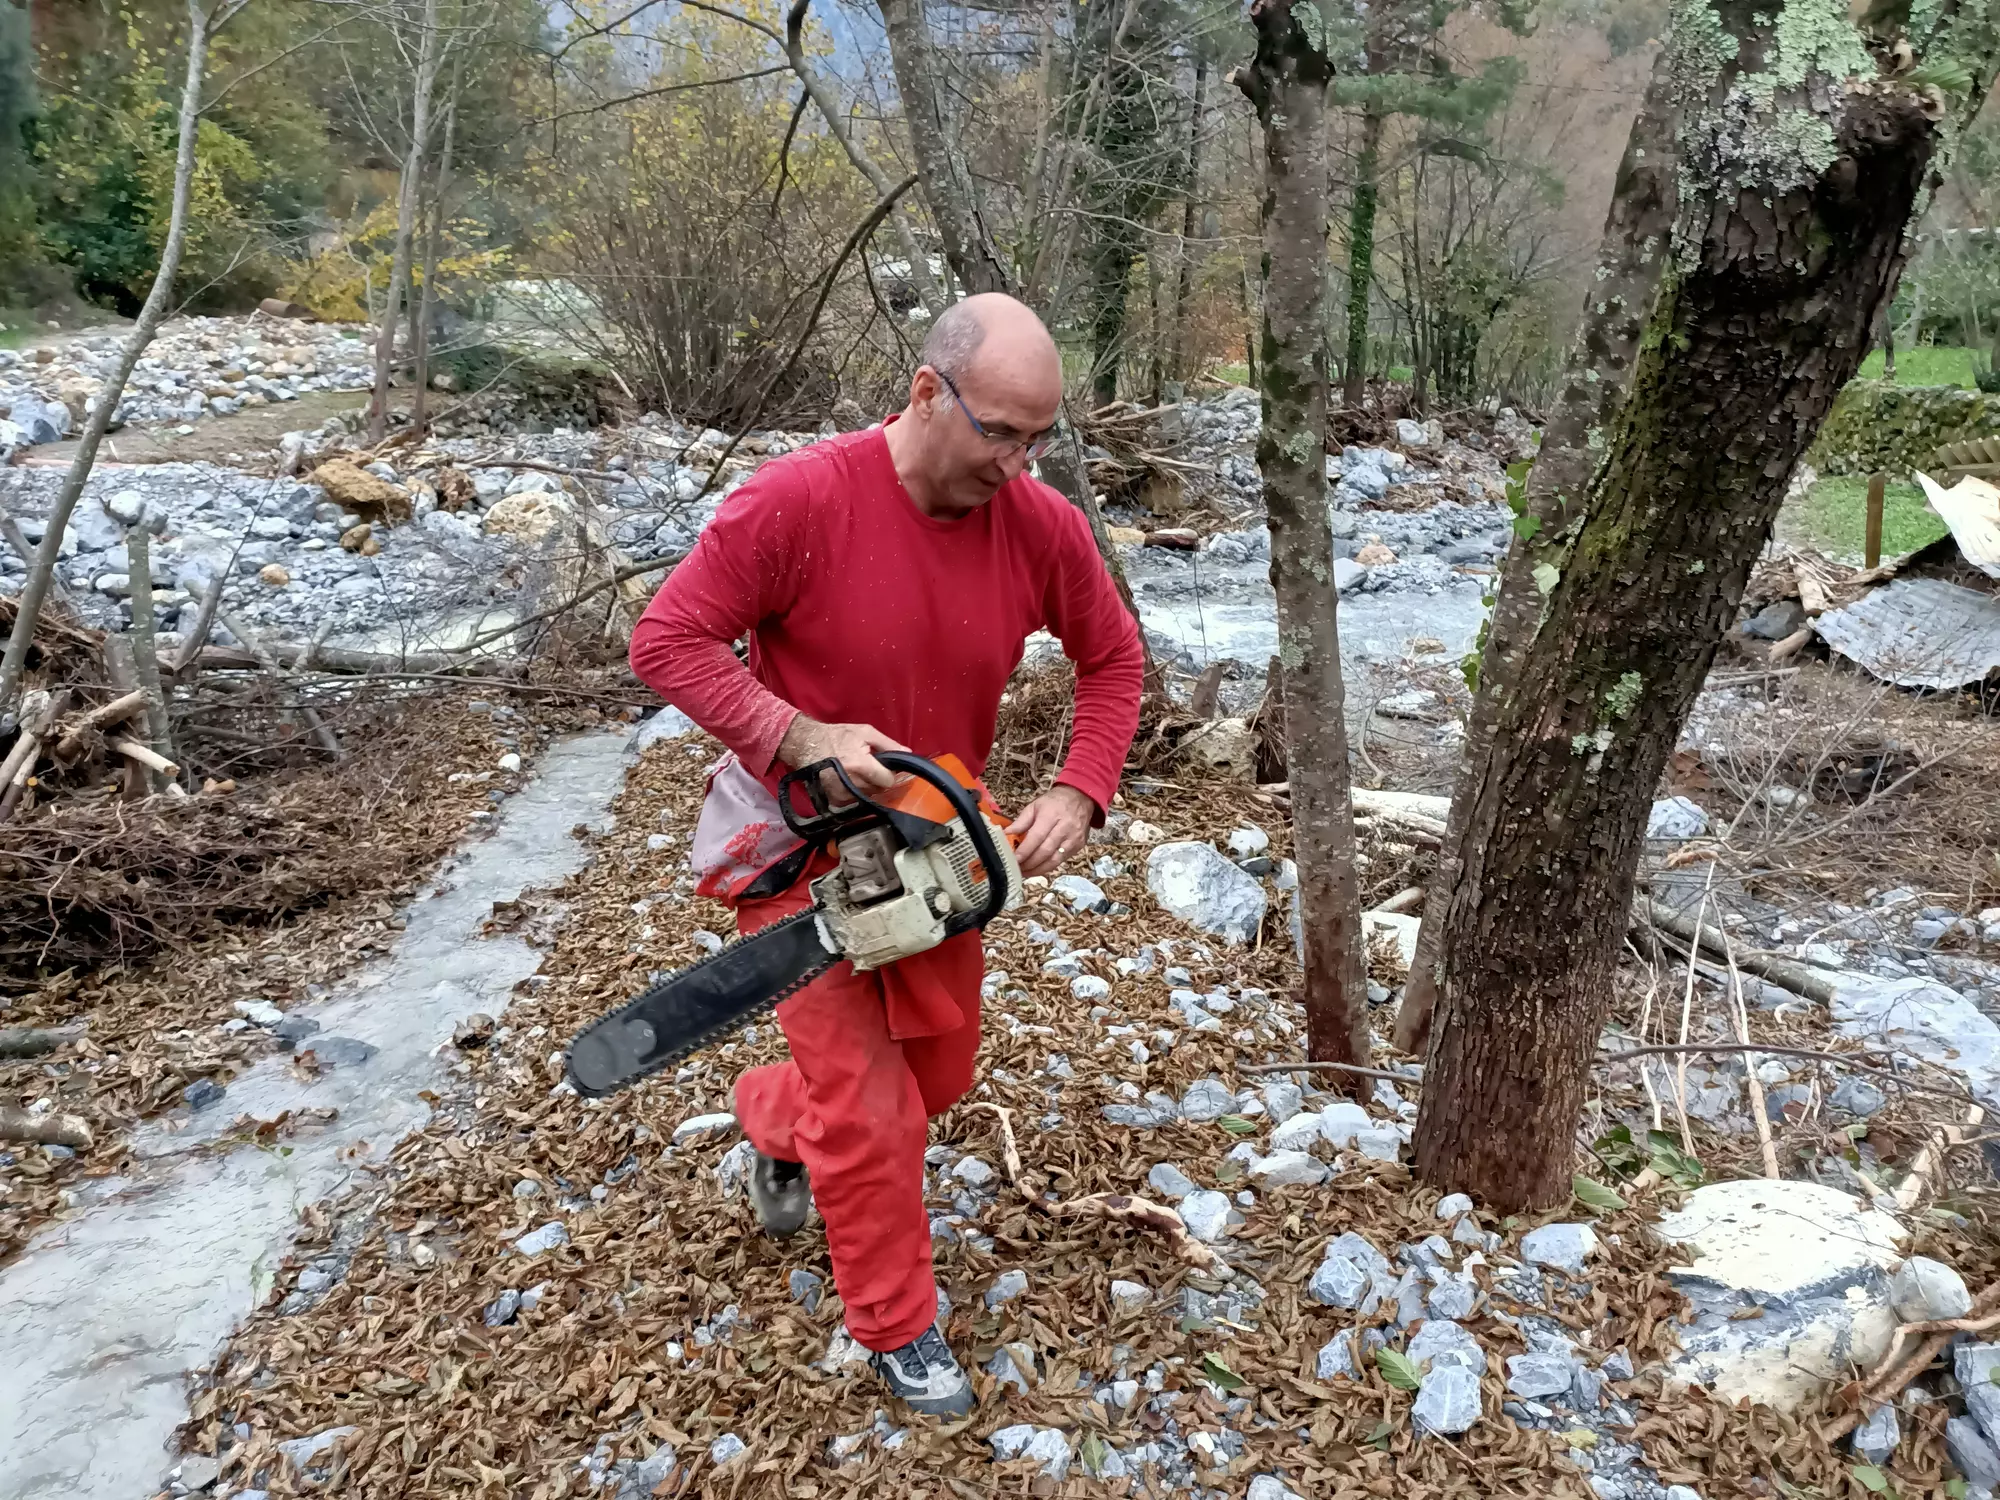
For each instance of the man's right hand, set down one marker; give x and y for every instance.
(853, 745)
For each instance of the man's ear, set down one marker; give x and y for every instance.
(925, 386)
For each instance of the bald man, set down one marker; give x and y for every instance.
(887, 581)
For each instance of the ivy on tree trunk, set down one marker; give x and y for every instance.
(1756, 229)
(1287, 82)
(1361, 257)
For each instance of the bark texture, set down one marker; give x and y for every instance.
(942, 170)
(1287, 83)
(1756, 229)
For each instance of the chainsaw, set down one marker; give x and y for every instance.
(919, 863)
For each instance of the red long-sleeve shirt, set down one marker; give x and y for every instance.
(861, 609)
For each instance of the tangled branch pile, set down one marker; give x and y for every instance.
(93, 880)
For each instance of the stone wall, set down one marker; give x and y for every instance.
(1878, 427)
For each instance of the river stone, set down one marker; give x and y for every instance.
(1925, 1019)
(1536, 1375)
(301, 1451)
(1207, 1099)
(1289, 1169)
(1297, 1133)
(1204, 888)
(1676, 818)
(1876, 1438)
(1564, 1247)
(1338, 1282)
(1206, 1214)
(1924, 1290)
(1443, 1342)
(1169, 1181)
(1972, 1452)
(1814, 1258)
(1447, 1401)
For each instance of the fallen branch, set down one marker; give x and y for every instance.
(1931, 1159)
(1890, 1377)
(1845, 1059)
(269, 663)
(1414, 1077)
(1759, 1111)
(1138, 1213)
(34, 1041)
(1404, 900)
(70, 744)
(1800, 979)
(366, 663)
(50, 1129)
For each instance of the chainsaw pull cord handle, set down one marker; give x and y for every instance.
(966, 804)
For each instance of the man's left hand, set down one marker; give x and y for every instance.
(1052, 827)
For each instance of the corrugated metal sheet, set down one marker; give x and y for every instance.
(1919, 633)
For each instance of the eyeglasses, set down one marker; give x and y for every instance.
(1034, 446)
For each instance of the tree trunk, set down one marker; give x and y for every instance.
(1110, 271)
(42, 575)
(406, 214)
(1361, 257)
(942, 170)
(1738, 281)
(1287, 83)
(420, 325)
(934, 298)
(1184, 292)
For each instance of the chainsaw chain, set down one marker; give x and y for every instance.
(720, 1028)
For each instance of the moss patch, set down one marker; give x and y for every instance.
(1877, 427)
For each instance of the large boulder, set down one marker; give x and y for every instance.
(1923, 1019)
(1815, 1259)
(354, 489)
(528, 516)
(1204, 888)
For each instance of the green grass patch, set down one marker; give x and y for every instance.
(1834, 518)
(1236, 374)
(1926, 364)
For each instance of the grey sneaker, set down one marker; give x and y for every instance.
(926, 1375)
(780, 1193)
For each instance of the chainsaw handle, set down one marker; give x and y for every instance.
(827, 820)
(966, 804)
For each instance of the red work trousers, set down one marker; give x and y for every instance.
(873, 1056)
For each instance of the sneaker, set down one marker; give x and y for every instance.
(926, 1376)
(780, 1193)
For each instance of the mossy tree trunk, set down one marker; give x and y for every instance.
(1361, 256)
(1756, 230)
(1287, 83)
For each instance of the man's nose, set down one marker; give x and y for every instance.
(1014, 463)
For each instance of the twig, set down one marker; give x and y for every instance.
(1930, 1160)
(1687, 1007)
(204, 621)
(1138, 1213)
(145, 655)
(1011, 1156)
(10, 529)
(1758, 1109)
(861, 232)
(1734, 1048)
(51, 1129)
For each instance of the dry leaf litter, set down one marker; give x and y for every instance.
(541, 1296)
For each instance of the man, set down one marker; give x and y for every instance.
(887, 580)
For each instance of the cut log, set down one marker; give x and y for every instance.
(382, 663)
(50, 1129)
(146, 756)
(34, 1041)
